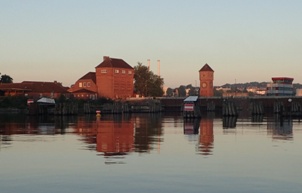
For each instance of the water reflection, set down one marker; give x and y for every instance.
(191, 126)
(148, 132)
(116, 136)
(206, 140)
(280, 128)
(149, 150)
(203, 127)
(41, 125)
(111, 136)
(229, 122)
(257, 118)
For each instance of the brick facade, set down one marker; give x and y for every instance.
(113, 78)
(206, 78)
(85, 87)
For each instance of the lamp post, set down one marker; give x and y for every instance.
(289, 108)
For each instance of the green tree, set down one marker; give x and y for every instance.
(6, 79)
(169, 92)
(155, 85)
(218, 93)
(182, 91)
(146, 82)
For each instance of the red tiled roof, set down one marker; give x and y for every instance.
(282, 78)
(15, 86)
(34, 86)
(114, 63)
(90, 76)
(206, 67)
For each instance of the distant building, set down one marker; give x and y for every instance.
(34, 89)
(206, 78)
(113, 78)
(235, 94)
(281, 86)
(85, 87)
(298, 92)
(223, 89)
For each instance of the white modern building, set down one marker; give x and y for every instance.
(281, 86)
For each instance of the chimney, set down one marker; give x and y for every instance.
(158, 67)
(148, 64)
(106, 58)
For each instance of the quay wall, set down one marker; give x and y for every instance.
(246, 105)
(227, 106)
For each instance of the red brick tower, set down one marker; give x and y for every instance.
(206, 78)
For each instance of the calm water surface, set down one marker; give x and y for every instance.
(149, 153)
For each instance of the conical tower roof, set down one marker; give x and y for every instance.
(206, 67)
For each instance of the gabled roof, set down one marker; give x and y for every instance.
(114, 63)
(206, 67)
(35, 86)
(89, 75)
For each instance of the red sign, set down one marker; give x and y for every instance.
(189, 107)
(29, 101)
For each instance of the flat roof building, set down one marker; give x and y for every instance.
(281, 86)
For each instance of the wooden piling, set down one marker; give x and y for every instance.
(229, 109)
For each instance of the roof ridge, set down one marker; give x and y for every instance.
(206, 67)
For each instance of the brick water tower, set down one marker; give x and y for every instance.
(206, 78)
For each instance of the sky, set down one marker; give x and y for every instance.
(62, 40)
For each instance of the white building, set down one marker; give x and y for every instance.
(281, 86)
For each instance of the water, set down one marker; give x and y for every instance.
(149, 153)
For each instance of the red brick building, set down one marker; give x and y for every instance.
(113, 78)
(206, 77)
(85, 87)
(34, 89)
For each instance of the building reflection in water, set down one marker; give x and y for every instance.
(29, 128)
(257, 118)
(115, 139)
(30, 125)
(280, 128)
(115, 136)
(112, 136)
(191, 126)
(203, 127)
(229, 122)
(206, 140)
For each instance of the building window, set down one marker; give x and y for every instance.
(123, 71)
(116, 71)
(104, 71)
(88, 84)
(129, 72)
(84, 84)
(80, 85)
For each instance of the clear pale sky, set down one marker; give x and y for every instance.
(62, 40)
